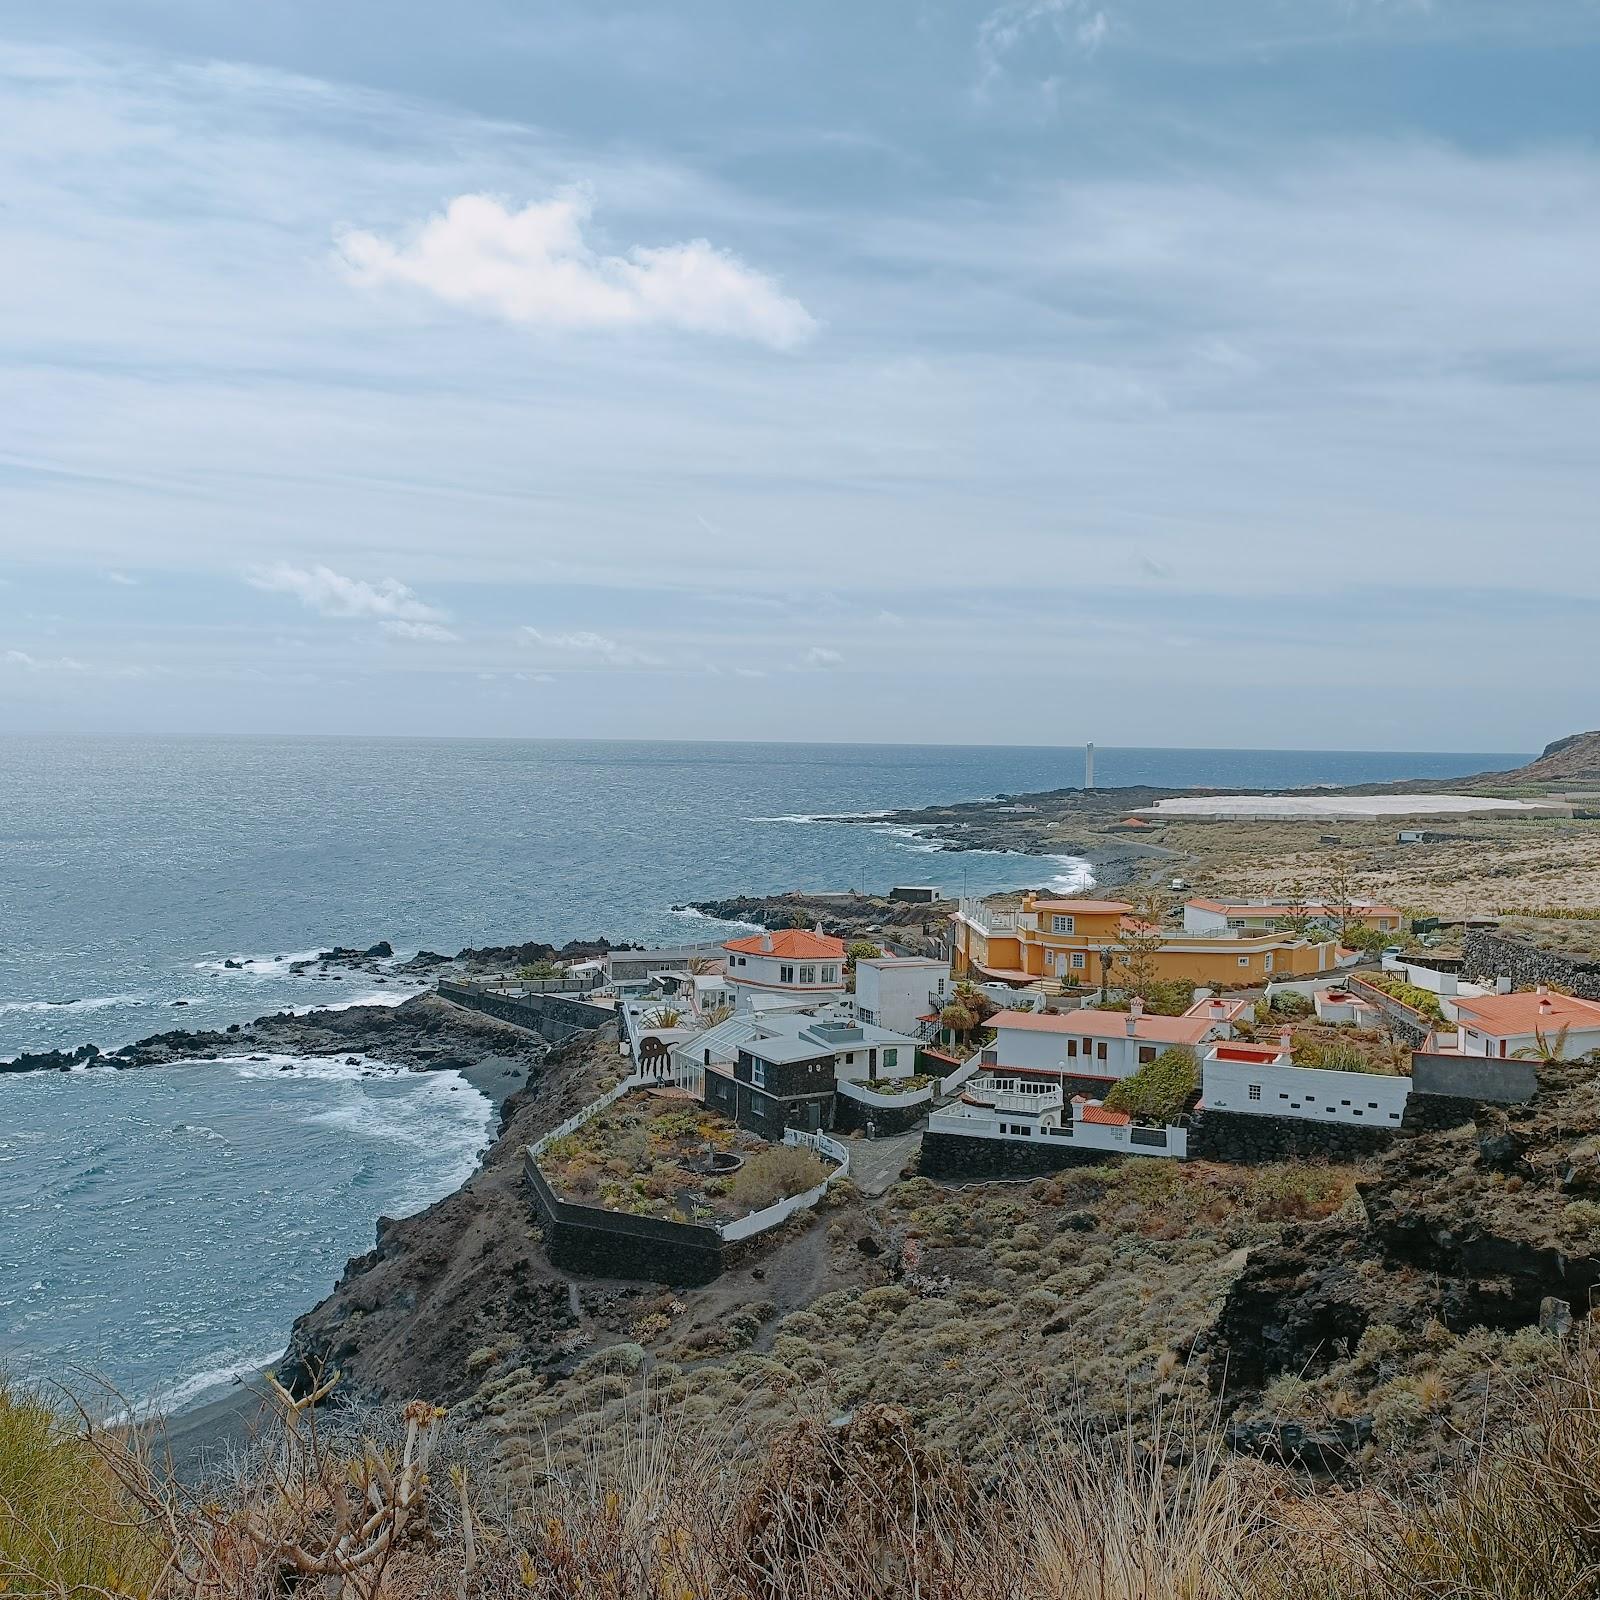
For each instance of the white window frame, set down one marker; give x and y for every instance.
(1063, 924)
(758, 1073)
(830, 974)
(808, 974)
(785, 974)
(891, 1056)
(1078, 960)
(1244, 961)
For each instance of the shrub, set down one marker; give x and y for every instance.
(775, 1174)
(1159, 1090)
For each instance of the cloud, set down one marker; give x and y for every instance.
(20, 658)
(122, 580)
(331, 594)
(428, 632)
(590, 646)
(1016, 24)
(820, 656)
(535, 268)
(748, 672)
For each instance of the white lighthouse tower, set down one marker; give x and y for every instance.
(1088, 766)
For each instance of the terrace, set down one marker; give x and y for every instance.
(660, 1153)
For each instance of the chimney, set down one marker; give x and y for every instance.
(1136, 1006)
(766, 944)
(1286, 1047)
(1219, 1010)
(1545, 1008)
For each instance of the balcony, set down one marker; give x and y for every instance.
(1029, 1102)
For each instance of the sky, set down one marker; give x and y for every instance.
(1143, 371)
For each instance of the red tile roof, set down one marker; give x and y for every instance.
(1105, 1025)
(1508, 1015)
(1104, 1118)
(1089, 908)
(791, 944)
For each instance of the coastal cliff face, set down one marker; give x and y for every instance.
(1574, 759)
(419, 1314)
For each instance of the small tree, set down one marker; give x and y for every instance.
(1546, 1047)
(1364, 937)
(1158, 1090)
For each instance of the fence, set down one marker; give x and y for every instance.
(949, 1085)
(574, 1215)
(782, 1210)
(862, 1094)
(552, 1016)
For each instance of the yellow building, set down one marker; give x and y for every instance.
(1073, 941)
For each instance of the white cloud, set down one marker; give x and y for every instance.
(331, 594)
(1012, 27)
(583, 645)
(428, 632)
(820, 656)
(122, 580)
(20, 658)
(748, 672)
(534, 267)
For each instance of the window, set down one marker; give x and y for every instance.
(1079, 960)
(758, 1074)
(830, 974)
(808, 974)
(1100, 1051)
(1255, 1091)
(785, 974)
(1267, 962)
(849, 1058)
(1147, 1052)
(1235, 922)
(708, 1058)
(1072, 1048)
(1061, 925)
(758, 1105)
(1244, 961)
(891, 1058)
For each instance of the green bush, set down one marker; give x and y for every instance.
(1159, 1090)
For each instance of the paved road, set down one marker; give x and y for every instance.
(875, 1164)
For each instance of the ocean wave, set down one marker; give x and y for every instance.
(694, 914)
(98, 1002)
(379, 997)
(172, 1398)
(826, 816)
(258, 966)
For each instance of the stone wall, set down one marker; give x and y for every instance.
(1244, 1138)
(1488, 954)
(966, 1158)
(850, 1116)
(1434, 1113)
(609, 1244)
(552, 1017)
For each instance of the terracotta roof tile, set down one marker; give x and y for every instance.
(791, 944)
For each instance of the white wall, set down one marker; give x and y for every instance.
(1311, 1093)
(897, 996)
(1579, 1042)
(1047, 1052)
(1198, 920)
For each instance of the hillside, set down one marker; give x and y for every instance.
(1574, 759)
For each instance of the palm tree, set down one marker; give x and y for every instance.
(1544, 1047)
(662, 1017)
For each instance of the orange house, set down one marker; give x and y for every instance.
(1080, 941)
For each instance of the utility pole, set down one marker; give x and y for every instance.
(1088, 766)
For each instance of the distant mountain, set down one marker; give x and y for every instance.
(1575, 759)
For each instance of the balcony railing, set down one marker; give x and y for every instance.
(1013, 1099)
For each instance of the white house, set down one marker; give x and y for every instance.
(898, 991)
(996, 1105)
(792, 961)
(1501, 1025)
(1090, 1044)
(860, 1051)
(1339, 1005)
(1262, 1080)
(1216, 916)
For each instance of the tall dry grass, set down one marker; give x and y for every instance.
(399, 1506)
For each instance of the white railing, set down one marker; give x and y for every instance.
(988, 919)
(864, 1094)
(972, 1122)
(1051, 1099)
(952, 1082)
(782, 1210)
(634, 1080)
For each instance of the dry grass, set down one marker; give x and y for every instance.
(865, 1510)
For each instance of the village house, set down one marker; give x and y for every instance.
(1263, 1080)
(790, 961)
(1053, 1049)
(1506, 1025)
(899, 992)
(768, 1070)
(1084, 941)
(1215, 916)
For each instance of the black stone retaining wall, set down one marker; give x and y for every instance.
(964, 1158)
(850, 1116)
(608, 1244)
(1244, 1138)
(1487, 955)
(1433, 1113)
(552, 1017)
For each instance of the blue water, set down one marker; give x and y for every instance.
(162, 1229)
(130, 869)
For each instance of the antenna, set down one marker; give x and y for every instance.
(1088, 766)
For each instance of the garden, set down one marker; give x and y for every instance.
(651, 1155)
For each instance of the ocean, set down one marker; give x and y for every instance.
(162, 1229)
